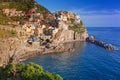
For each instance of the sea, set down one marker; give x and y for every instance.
(88, 61)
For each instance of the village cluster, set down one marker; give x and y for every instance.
(12, 12)
(43, 27)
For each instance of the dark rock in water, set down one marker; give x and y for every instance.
(92, 39)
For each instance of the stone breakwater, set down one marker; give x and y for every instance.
(107, 46)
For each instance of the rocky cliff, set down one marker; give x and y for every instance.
(70, 26)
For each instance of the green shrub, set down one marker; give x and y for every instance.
(8, 33)
(13, 33)
(4, 19)
(81, 23)
(72, 20)
(29, 71)
(77, 28)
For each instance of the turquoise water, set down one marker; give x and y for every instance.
(88, 62)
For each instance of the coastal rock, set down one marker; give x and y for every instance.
(70, 35)
(70, 27)
(107, 46)
(81, 37)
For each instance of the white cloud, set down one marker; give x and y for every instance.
(88, 12)
(101, 18)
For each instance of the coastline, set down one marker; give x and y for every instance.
(29, 54)
(17, 49)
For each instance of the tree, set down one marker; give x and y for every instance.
(29, 71)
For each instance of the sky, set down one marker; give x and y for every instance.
(94, 13)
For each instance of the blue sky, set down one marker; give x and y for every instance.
(94, 13)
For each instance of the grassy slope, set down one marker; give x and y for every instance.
(79, 28)
(20, 6)
(4, 19)
(6, 33)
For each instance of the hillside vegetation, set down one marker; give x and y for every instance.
(7, 33)
(19, 5)
(22, 5)
(29, 71)
(4, 19)
(79, 28)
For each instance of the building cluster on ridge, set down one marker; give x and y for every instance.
(41, 26)
(12, 12)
